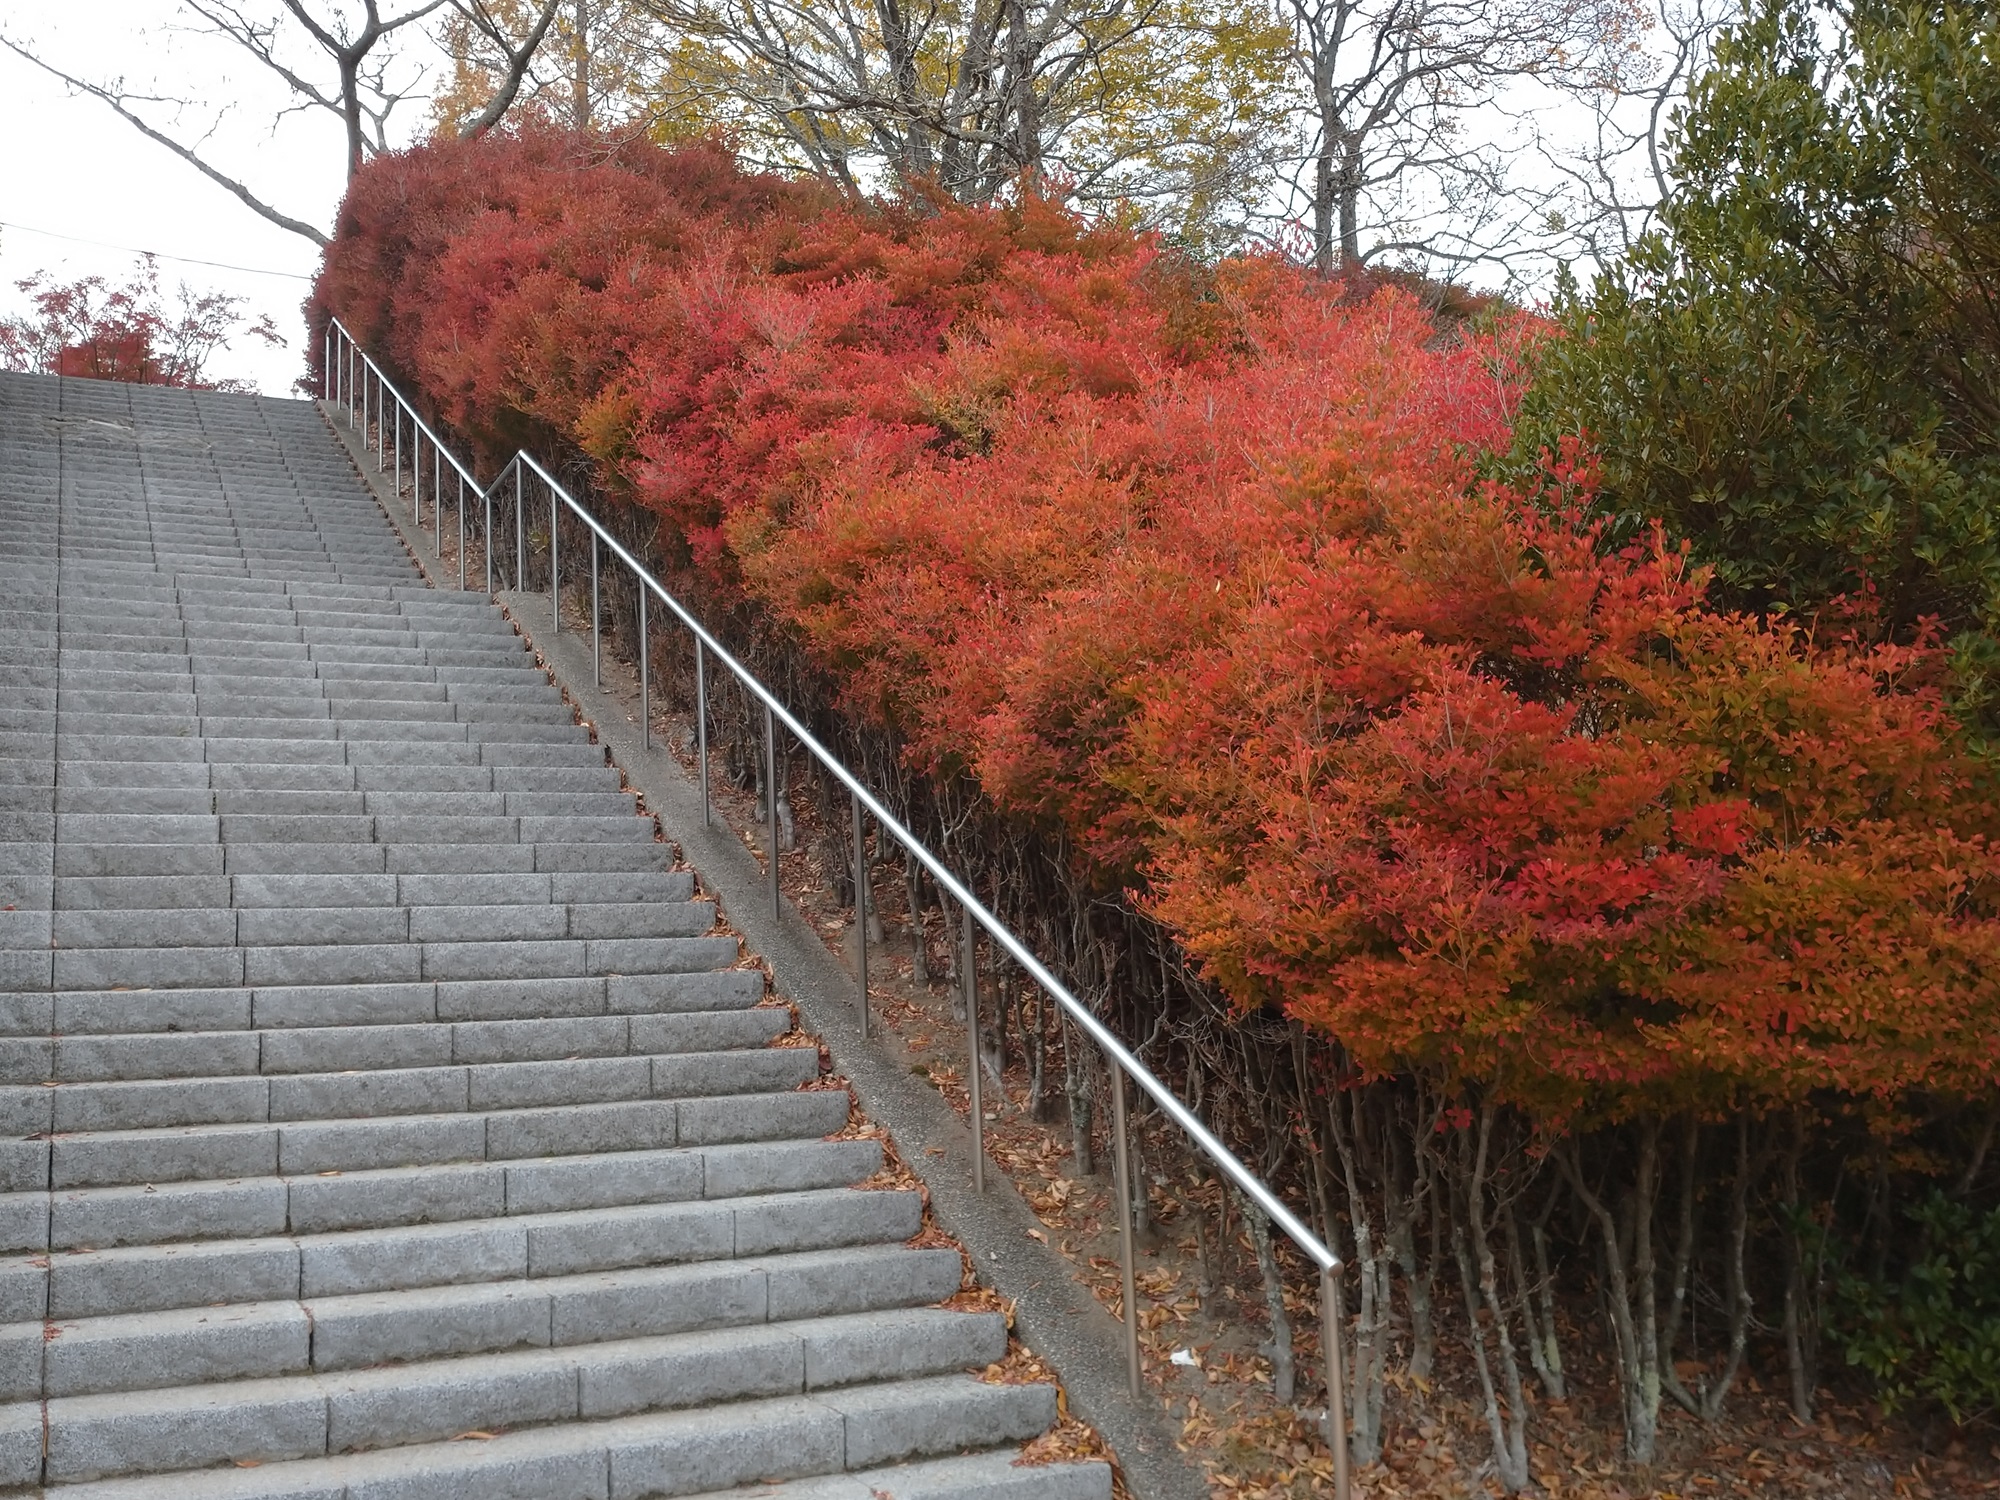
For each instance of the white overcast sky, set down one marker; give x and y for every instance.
(81, 190)
(73, 168)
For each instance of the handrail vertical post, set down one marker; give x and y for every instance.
(1121, 1155)
(555, 570)
(399, 452)
(771, 801)
(861, 895)
(486, 495)
(520, 532)
(1332, 1327)
(969, 983)
(437, 501)
(461, 531)
(596, 626)
(645, 675)
(701, 725)
(381, 412)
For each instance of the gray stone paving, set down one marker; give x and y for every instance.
(384, 1115)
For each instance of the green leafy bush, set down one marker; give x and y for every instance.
(1930, 1335)
(1797, 373)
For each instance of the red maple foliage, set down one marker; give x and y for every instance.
(93, 329)
(1193, 567)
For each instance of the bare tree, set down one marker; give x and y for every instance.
(594, 70)
(327, 58)
(1408, 108)
(1136, 101)
(1617, 168)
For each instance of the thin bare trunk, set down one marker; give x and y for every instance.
(1798, 1329)
(1078, 1087)
(1715, 1393)
(1349, 189)
(1977, 1160)
(920, 946)
(1284, 1368)
(1629, 1293)
(1038, 1061)
(579, 75)
(1682, 1270)
(1537, 1298)
(1367, 1365)
(1206, 1247)
(1409, 1205)
(1486, 1310)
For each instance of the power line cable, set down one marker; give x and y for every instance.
(186, 260)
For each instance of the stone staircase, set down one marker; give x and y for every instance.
(384, 1114)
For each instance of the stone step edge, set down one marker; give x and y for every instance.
(930, 1268)
(412, 1237)
(970, 1340)
(771, 1018)
(35, 1014)
(189, 1141)
(679, 1085)
(421, 922)
(682, 1453)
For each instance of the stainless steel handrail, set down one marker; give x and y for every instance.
(344, 394)
(1123, 1061)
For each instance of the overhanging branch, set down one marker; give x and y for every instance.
(187, 154)
(517, 62)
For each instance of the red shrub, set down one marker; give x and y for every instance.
(1191, 567)
(98, 331)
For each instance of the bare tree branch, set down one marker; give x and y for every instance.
(117, 102)
(517, 60)
(1619, 176)
(1393, 87)
(276, 35)
(1147, 102)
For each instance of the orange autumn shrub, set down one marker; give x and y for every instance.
(1188, 567)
